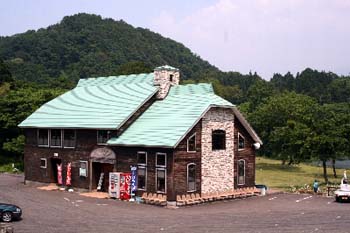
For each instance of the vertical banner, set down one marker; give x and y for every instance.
(59, 174)
(69, 175)
(133, 179)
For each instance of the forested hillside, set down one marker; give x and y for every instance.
(299, 118)
(86, 45)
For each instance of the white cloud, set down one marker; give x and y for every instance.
(265, 35)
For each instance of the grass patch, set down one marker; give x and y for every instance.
(6, 165)
(274, 175)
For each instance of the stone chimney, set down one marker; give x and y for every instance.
(164, 77)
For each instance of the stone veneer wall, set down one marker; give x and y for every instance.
(217, 166)
(162, 79)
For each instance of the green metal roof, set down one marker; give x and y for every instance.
(100, 103)
(116, 80)
(166, 121)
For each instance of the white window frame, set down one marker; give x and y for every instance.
(240, 135)
(195, 186)
(61, 139)
(43, 159)
(142, 164)
(243, 172)
(165, 159)
(86, 168)
(48, 138)
(108, 137)
(195, 143)
(75, 139)
(145, 167)
(165, 178)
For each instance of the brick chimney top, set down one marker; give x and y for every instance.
(164, 77)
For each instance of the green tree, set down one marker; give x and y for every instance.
(133, 67)
(329, 139)
(5, 74)
(287, 142)
(283, 83)
(275, 113)
(340, 90)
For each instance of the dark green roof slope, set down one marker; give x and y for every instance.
(167, 121)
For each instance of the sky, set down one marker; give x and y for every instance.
(263, 36)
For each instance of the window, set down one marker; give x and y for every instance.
(171, 77)
(69, 138)
(83, 168)
(191, 177)
(43, 137)
(43, 163)
(142, 158)
(141, 177)
(161, 160)
(161, 180)
(141, 170)
(241, 172)
(161, 172)
(56, 138)
(218, 140)
(241, 143)
(102, 136)
(191, 143)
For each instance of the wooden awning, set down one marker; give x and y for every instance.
(103, 155)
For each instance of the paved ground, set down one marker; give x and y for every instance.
(57, 211)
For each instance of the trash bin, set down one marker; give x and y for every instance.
(262, 189)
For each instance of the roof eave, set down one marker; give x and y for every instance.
(140, 145)
(64, 127)
(247, 126)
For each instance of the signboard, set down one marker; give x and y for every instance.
(83, 168)
(59, 174)
(114, 185)
(133, 179)
(69, 175)
(100, 182)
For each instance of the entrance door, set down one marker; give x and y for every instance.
(54, 162)
(98, 168)
(106, 169)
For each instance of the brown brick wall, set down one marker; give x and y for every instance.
(248, 154)
(182, 158)
(127, 156)
(86, 142)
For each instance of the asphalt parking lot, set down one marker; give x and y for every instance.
(58, 211)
